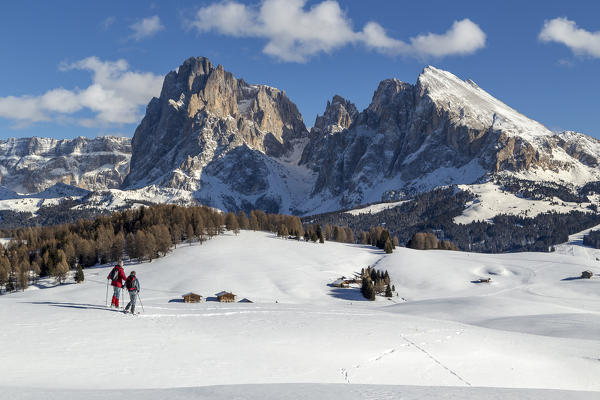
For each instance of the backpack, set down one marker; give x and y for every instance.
(114, 274)
(130, 282)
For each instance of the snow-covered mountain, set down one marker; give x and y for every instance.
(240, 146)
(215, 139)
(440, 131)
(31, 165)
(218, 137)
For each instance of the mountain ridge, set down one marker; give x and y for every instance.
(214, 138)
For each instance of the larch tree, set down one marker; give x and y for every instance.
(61, 269)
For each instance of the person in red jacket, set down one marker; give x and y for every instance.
(117, 276)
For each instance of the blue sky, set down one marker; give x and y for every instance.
(73, 68)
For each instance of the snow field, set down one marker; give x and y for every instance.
(528, 328)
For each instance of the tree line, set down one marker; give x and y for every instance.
(144, 234)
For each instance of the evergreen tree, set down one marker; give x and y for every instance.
(373, 273)
(388, 291)
(388, 248)
(371, 292)
(386, 278)
(320, 234)
(383, 238)
(367, 289)
(79, 276)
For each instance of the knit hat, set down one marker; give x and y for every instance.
(132, 273)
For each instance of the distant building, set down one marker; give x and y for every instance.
(341, 283)
(225, 297)
(191, 298)
(245, 300)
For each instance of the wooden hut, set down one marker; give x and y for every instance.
(225, 297)
(341, 283)
(485, 280)
(191, 298)
(587, 274)
(245, 300)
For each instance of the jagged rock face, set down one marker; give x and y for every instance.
(31, 165)
(442, 130)
(202, 114)
(338, 116)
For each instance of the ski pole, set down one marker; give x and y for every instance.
(140, 298)
(106, 301)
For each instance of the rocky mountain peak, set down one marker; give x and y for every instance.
(338, 116)
(205, 125)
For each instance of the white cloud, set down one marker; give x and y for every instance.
(294, 33)
(108, 22)
(115, 96)
(565, 31)
(146, 27)
(464, 37)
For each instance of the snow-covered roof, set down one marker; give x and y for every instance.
(190, 294)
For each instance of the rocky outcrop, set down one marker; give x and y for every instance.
(202, 114)
(442, 130)
(31, 165)
(338, 116)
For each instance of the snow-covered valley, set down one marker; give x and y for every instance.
(534, 326)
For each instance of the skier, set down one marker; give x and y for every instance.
(116, 275)
(133, 287)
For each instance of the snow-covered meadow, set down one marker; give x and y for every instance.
(535, 326)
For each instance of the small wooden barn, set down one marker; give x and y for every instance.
(587, 274)
(191, 298)
(245, 300)
(225, 297)
(341, 283)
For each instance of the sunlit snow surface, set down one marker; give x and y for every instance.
(536, 325)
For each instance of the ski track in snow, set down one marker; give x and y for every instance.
(428, 354)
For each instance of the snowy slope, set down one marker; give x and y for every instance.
(375, 208)
(477, 108)
(534, 326)
(491, 200)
